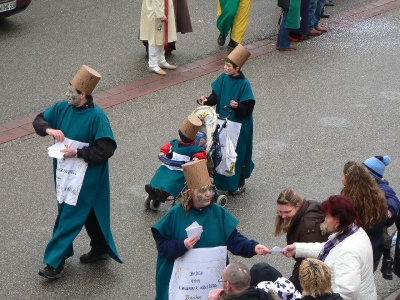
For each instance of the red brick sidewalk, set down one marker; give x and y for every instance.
(20, 127)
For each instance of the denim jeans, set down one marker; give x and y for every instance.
(316, 7)
(283, 34)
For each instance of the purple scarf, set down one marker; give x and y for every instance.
(329, 245)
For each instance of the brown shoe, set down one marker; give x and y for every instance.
(158, 71)
(290, 48)
(322, 29)
(168, 66)
(314, 32)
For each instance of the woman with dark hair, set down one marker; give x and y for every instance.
(347, 252)
(369, 201)
(301, 220)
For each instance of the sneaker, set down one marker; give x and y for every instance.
(93, 256)
(50, 273)
(239, 191)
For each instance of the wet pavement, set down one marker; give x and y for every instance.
(334, 99)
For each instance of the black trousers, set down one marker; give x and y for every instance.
(97, 241)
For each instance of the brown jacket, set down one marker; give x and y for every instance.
(305, 228)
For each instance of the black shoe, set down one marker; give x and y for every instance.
(387, 268)
(149, 190)
(221, 40)
(160, 195)
(239, 191)
(325, 15)
(93, 256)
(50, 273)
(232, 44)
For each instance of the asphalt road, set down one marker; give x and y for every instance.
(334, 99)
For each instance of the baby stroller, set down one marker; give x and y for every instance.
(208, 138)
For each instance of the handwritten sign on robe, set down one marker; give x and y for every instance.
(197, 272)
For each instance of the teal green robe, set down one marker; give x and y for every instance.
(218, 224)
(229, 88)
(293, 16)
(84, 125)
(173, 181)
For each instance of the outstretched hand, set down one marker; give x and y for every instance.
(261, 249)
(289, 250)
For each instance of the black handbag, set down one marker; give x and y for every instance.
(284, 3)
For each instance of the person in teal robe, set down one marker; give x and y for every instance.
(219, 228)
(232, 91)
(82, 120)
(171, 179)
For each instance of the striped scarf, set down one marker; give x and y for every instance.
(329, 245)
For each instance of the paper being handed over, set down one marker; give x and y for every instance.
(276, 249)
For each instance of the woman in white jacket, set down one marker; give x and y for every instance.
(348, 251)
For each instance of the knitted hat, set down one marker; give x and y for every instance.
(86, 79)
(283, 287)
(263, 272)
(189, 129)
(376, 165)
(239, 55)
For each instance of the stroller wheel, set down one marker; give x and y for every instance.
(147, 202)
(222, 199)
(154, 204)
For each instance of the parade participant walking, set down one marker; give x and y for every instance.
(219, 227)
(81, 120)
(233, 89)
(233, 16)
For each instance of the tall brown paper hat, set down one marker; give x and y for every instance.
(239, 55)
(86, 79)
(190, 127)
(196, 174)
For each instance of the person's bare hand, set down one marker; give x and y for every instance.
(191, 242)
(289, 250)
(203, 99)
(233, 104)
(261, 250)
(164, 19)
(215, 294)
(69, 152)
(57, 134)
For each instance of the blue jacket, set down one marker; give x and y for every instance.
(392, 200)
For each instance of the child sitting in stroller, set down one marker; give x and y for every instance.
(169, 179)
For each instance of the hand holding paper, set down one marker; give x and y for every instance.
(194, 229)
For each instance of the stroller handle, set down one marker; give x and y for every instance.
(170, 162)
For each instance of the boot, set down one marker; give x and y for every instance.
(387, 268)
